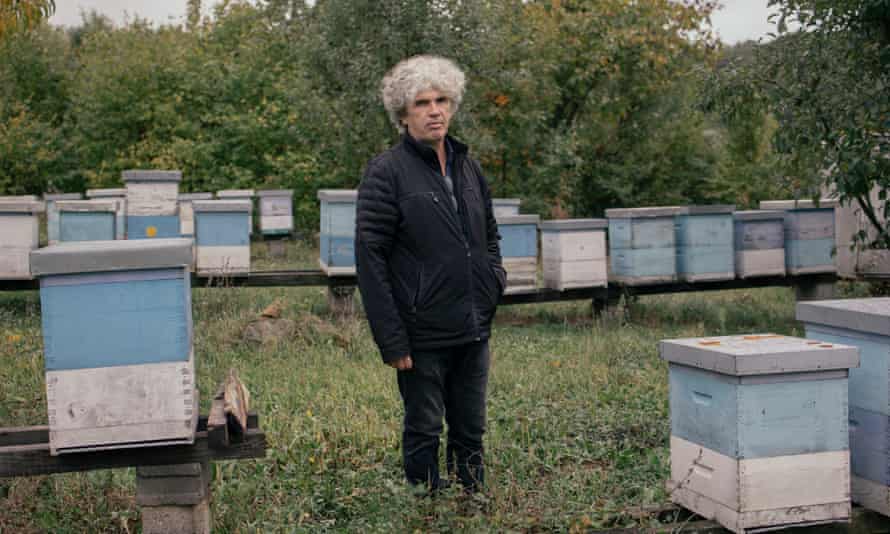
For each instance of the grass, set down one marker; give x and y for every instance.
(578, 417)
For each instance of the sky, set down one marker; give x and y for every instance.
(738, 20)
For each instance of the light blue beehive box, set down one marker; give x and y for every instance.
(239, 194)
(117, 335)
(519, 250)
(19, 235)
(337, 231)
(222, 236)
(186, 215)
(152, 203)
(52, 214)
(864, 323)
(505, 207)
(276, 212)
(760, 423)
(88, 220)
(759, 243)
(642, 245)
(704, 236)
(118, 196)
(809, 234)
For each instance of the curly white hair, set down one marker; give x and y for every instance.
(418, 74)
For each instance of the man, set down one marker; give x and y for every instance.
(429, 270)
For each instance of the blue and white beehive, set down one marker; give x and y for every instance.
(19, 235)
(519, 251)
(809, 234)
(864, 323)
(117, 196)
(642, 245)
(239, 194)
(705, 243)
(759, 243)
(759, 429)
(222, 236)
(186, 215)
(152, 203)
(117, 337)
(276, 212)
(88, 220)
(504, 207)
(52, 214)
(573, 252)
(337, 231)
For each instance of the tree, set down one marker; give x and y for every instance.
(16, 15)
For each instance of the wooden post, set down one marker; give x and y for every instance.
(175, 499)
(341, 300)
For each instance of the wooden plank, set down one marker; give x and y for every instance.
(705, 472)
(217, 426)
(794, 480)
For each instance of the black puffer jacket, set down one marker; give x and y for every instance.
(430, 276)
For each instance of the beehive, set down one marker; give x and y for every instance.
(809, 234)
(276, 212)
(88, 220)
(152, 203)
(19, 235)
(239, 194)
(52, 214)
(705, 243)
(759, 243)
(337, 231)
(864, 323)
(117, 196)
(519, 251)
(222, 236)
(642, 245)
(186, 214)
(759, 429)
(117, 336)
(573, 252)
(504, 207)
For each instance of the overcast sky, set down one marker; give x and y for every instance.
(738, 20)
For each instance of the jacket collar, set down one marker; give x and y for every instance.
(427, 154)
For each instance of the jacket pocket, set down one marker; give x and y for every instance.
(418, 291)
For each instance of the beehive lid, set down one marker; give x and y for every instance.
(712, 209)
(104, 256)
(151, 176)
(506, 201)
(275, 193)
(105, 193)
(62, 196)
(640, 213)
(758, 215)
(338, 195)
(797, 204)
(235, 193)
(86, 205)
(195, 196)
(862, 315)
(19, 198)
(519, 219)
(20, 205)
(574, 224)
(221, 206)
(760, 354)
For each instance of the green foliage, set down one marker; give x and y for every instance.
(18, 16)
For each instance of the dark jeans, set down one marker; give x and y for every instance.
(449, 382)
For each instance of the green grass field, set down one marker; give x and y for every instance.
(578, 416)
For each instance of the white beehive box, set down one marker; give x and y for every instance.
(505, 207)
(573, 252)
(152, 203)
(519, 251)
(759, 243)
(19, 235)
(239, 194)
(186, 214)
(88, 220)
(118, 196)
(52, 214)
(759, 431)
(276, 212)
(117, 335)
(222, 236)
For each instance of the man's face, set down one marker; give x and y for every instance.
(428, 116)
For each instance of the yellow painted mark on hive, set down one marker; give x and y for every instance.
(151, 231)
(709, 342)
(759, 337)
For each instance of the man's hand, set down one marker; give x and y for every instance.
(402, 364)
